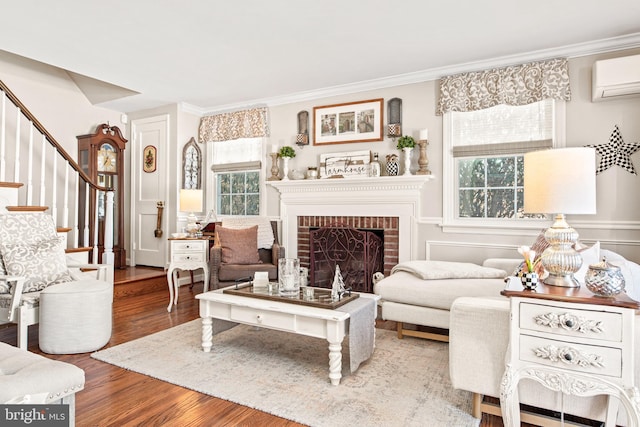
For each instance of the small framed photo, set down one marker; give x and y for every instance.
(350, 122)
(149, 160)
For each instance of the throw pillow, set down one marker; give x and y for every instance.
(43, 264)
(265, 232)
(239, 246)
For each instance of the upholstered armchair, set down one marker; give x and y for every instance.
(242, 247)
(33, 263)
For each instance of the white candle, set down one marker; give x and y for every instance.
(274, 148)
(424, 134)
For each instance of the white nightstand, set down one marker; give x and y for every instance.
(571, 341)
(187, 254)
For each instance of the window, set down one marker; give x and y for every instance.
(237, 172)
(483, 160)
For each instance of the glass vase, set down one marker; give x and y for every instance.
(289, 277)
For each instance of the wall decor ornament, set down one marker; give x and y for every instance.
(302, 137)
(394, 117)
(191, 166)
(345, 165)
(616, 152)
(149, 159)
(349, 122)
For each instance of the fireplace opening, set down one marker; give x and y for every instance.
(358, 252)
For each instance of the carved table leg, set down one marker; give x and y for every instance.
(509, 399)
(170, 282)
(207, 334)
(335, 362)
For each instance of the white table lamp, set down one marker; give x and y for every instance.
(191, 201)
(560, 181)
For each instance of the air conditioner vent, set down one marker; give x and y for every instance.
(616, 78)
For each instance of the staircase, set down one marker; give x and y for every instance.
(38, 175)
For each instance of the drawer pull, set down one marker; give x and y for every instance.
(569, 322)
(569, 356)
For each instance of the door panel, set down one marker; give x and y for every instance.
(149, 188)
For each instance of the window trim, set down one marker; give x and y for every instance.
(452, 224)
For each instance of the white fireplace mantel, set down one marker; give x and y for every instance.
(398, 196)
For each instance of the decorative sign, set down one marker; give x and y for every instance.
(345, 165)
(149, 159)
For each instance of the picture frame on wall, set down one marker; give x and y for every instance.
(349, 122)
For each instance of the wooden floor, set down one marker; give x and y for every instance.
(116, 397)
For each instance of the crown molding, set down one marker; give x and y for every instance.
(629, 41)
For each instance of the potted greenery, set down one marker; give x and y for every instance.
(406, 143)
(286, 153)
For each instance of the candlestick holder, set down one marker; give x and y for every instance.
(423, 161)
(275, 170)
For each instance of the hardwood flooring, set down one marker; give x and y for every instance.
(116, 397)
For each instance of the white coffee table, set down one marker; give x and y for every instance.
(298, 319)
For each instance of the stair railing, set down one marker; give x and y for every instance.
(53, 178)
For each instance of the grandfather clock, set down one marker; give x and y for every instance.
(101, 156)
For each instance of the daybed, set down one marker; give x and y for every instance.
(422, 292)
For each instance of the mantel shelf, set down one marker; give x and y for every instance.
(382, 183)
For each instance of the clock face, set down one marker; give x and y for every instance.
(107, 159)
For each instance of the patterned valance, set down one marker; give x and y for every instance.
(514, 85)
(251, 123)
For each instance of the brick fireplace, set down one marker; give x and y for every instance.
(392, 204)
(387, 225)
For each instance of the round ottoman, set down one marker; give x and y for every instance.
(75, 317)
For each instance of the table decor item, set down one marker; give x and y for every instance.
(289, 277)
(604, 279)
(529, 277)
(392, 165)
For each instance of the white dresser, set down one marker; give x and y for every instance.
(573, 342)
(187, 254)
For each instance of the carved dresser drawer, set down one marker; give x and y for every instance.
(591, 359)
(596, 324)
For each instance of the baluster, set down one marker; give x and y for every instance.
(30, 168)
(85, 232)
(16, 173)
(3, 140)
(95, 228)
(54, 188)
(76, 209)
(43, 164)
(107, 256)
(65, 213)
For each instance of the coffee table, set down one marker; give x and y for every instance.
(298, 319)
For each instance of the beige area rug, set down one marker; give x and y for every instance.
(405, 383)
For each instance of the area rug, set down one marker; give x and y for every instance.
(405, 382)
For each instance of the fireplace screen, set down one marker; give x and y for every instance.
(359, 253)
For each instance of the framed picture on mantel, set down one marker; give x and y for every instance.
(350, 122)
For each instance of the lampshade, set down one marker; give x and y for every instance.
(560, 181)
(191, 200)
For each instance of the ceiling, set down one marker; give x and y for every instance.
(214, 55)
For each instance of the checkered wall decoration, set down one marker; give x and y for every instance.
(616, 152)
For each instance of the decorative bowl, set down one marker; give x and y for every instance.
(604, 279)
(178, 235)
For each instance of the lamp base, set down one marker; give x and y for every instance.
(561, 259)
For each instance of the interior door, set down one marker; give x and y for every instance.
(149, 171)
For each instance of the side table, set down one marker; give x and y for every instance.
(571, 341)
(187, 254)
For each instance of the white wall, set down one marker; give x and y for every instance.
(617, 224)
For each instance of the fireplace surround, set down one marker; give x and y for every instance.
(357, 202)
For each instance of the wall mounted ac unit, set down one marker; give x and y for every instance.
(616, 78)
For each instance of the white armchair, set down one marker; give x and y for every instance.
(32, 258)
